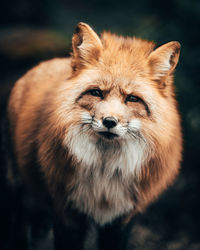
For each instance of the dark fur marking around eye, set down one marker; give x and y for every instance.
(133, 98)
(87, 92)
(146, 108)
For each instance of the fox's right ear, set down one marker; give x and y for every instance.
(86, 46)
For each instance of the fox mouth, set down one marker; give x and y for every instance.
(108, 135)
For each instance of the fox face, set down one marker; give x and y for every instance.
(110, 117)
(119, 100)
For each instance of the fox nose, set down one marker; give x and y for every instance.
(109, 122)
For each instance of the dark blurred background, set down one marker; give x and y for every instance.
(36, 30)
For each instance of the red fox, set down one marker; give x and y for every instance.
(101, 129)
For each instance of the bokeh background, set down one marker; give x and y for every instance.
(36, 30)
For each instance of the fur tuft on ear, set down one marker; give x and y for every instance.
(86, 46)
(163, 60)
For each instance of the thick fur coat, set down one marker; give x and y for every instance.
(99, 130)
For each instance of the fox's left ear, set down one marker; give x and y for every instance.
(163, 60)
(86, 46)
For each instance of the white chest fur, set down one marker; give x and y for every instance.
(101, 198)
(104, 170)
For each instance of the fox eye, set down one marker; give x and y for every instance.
(96, 92)
(132, 98)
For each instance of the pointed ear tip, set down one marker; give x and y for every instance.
(176, 45)
(81, 25)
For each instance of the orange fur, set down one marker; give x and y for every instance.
(49, 101)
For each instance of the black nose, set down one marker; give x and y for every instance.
(109, 122)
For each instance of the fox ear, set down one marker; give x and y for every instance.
(86, 46)
(163, 60)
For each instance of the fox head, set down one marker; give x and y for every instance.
(119, 99)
